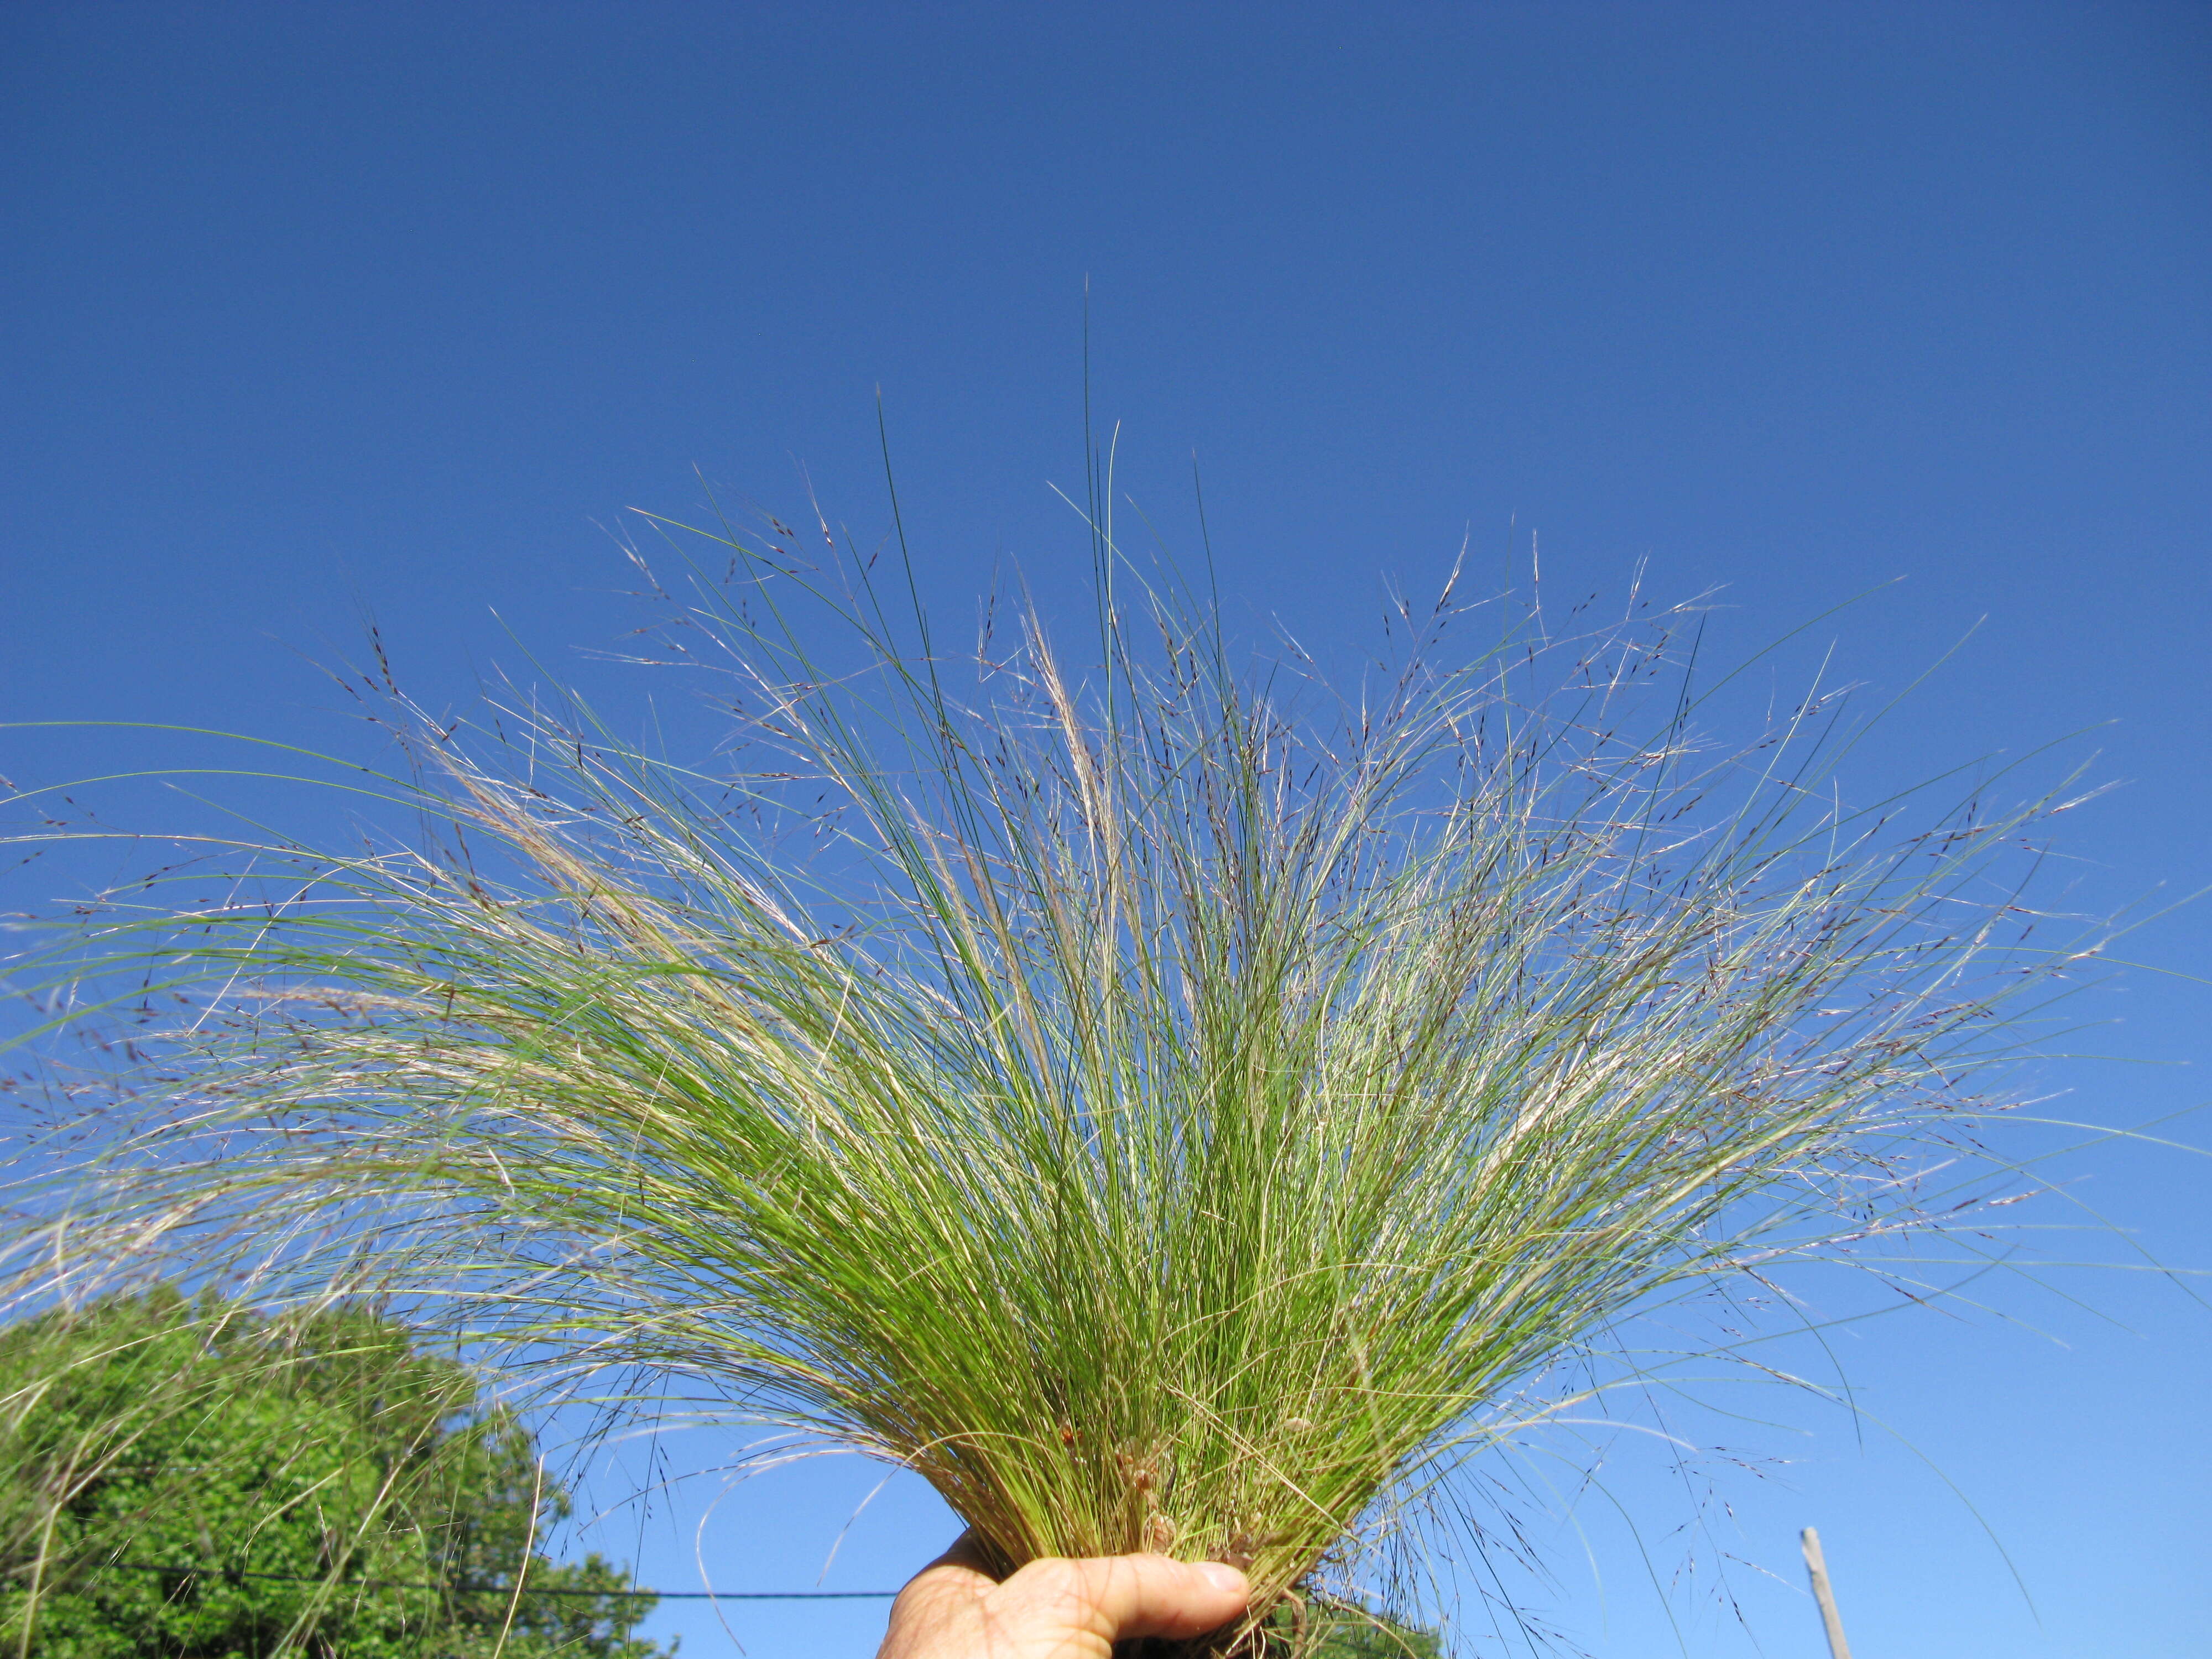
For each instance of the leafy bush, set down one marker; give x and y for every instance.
(190, 1479)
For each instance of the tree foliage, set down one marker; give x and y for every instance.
(1358, 1637)
(195, 1480)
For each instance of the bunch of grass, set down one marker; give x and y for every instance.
(1169, 1106)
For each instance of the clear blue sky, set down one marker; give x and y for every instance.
(399, 302)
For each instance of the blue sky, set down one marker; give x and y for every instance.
(314, 309)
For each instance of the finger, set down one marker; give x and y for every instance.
(955, 1578)
(1121, 1596)
(966, 1557)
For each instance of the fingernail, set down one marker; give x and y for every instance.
(1222, 1576)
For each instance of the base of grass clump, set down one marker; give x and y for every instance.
(1297, 1631)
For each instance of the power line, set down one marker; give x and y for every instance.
(497, 1589)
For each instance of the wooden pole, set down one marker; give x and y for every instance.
(1816, 1566)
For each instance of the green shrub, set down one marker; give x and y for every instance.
(189, 1479)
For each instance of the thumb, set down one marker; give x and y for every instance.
(1118, 1597)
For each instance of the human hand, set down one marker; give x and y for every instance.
(1056, 1609)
